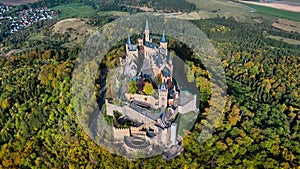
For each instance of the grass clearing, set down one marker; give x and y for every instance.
(275, 12)
(77, 30)
(286, 40)
(74, 10)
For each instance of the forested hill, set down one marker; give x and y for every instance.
(259, 129)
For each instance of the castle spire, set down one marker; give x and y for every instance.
(163, 38)
(147, 32)
(128, 40)
(147, 25)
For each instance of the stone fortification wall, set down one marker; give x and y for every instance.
(188, 107)
(119, 133)
(126, 111)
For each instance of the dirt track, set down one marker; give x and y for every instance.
(277, 5)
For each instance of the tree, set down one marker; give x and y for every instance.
(158, 80)
(132, 87)
(148, 89)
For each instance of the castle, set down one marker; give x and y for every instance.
(156, 60)
(152, 115)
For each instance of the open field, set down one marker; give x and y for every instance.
(16, 2)
(286, 40)
(76, 28)
(74, 10)
(219, 8)
(275, 12)
(277, 5)
(114, 13)
(287, 25)
(224, 5)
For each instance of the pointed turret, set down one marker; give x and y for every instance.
(128, 42)
(163, 38)
(147, 25)
(147, 32)
(164, 42)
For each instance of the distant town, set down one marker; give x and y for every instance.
(15, 20)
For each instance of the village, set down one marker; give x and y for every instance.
(13, 20)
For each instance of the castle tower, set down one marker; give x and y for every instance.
(164, 42)
(170, 60)
(163, 96)
(147, 32)
(173, 137)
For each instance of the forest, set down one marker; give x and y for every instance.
(260, 127)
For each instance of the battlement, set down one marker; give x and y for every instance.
(119, 133)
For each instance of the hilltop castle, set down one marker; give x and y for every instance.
(153, 59)
(151, 115)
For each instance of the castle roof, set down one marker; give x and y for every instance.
(158, 59)
(163, 87)
(166, 72)
(170, 56)
(128, 42)
(151, 45)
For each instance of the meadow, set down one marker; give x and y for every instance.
(74, 10)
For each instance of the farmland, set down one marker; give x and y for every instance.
(287, 25)
(223, 5)
(275, 12)
(294, 7)
(286, 40)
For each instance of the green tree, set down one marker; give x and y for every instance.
(132, 87)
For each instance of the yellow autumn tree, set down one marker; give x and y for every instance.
(148, 89)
